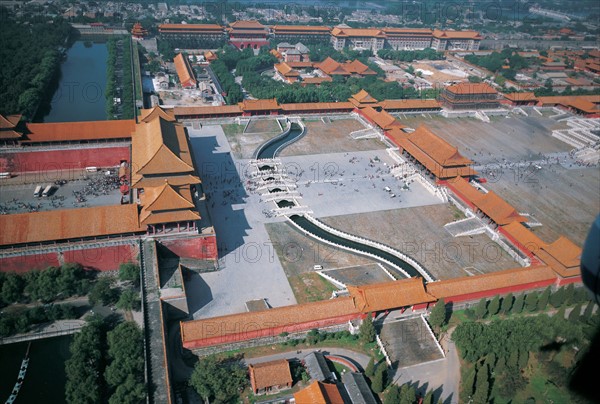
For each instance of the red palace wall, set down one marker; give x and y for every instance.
(249, 44)
(566, 281)
(102, 259)
(26, 263)
(245, 335)
(201, 247)
(68, 159)
(499, 291)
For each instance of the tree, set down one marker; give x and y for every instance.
(437, 317)
(523, 358)
(481, 309)
(543, 299)
(129, 300)
(219, 380)
(392, 395)
(575, 313)
(589, 309)
(569, 294)
(312, 337)
(469, 382)
(482, 386)
(518, 304)
(561, 313)
(378, 381)
(507, 303)
(494, 306)
(428, 399)
(557, 298)
(102, 292)
(128, 271)
(125, 349)
(408, 394)
(132, 391)
(370, 369)
(366, 331)
(12, 288)
(531, 302)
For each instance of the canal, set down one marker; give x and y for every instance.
(271, 148)
(80, 93)
(46, 378)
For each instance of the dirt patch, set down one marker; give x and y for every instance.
(243, 144)
(419, 232)
(263, 125)
(331, 137)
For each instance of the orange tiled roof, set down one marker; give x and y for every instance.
(160, 147)
(285, 70)
(445, 34)
(316, 80)
(300, 65)
(190, 27)
(391, 31)
(268, 374)
(403, 140)
(495, 280)
(319, 393)
(498, 209)
(309, 29)
(68, 224)
(10, 134)
(184, 70)
(331, 67)
(408, 104)
(210, 56)
(441, 151)
(175, 180)
(259, 105)
(9, 122)
(471, 88)
(565, 100)
(585, 106)
(357, 67)
(73, 131)
(221, 110)
(520, 96)
(147, 115)
(388, 295)
(382, 119)
(167, 197)
(230, 325)
(563, 256)
(310, 106)
(246, 24)
(466, 190)
(357, 32)
(363, 97)
(175, 216)
(524, 237)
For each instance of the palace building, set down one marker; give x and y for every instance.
(455, 40)
(248, 34)
(470, 96)
(307, 33)
(138, 32)
(408, 38)
(213, 32)
(187, 78)
(357, 38)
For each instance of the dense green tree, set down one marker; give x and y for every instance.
(437, 317)
(84, 368)
(378, 381)
(531, 302)
(469, 382)
(523, 358)
(482, 385)
(561, 313)
(557, 298)
(392, 395)
(219, 380)
(589, 308)
(129, 271)
(507, 302)
(408, 394)
(481, 309)
(569, 294)
(131, 391)
(370, 369)
(543, 299)
(366, 331)
(125, 349)
(518, 305)
(102, 292)
(12, 288)
(494, 306)
(575, 314)
(129, 300)
(428, 398)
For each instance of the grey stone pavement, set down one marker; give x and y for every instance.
(356, 357)
(250, 268)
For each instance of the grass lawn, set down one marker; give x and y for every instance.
(310, 287)
(232, 129)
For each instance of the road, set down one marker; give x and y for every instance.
(443, 376)
(356, 357)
